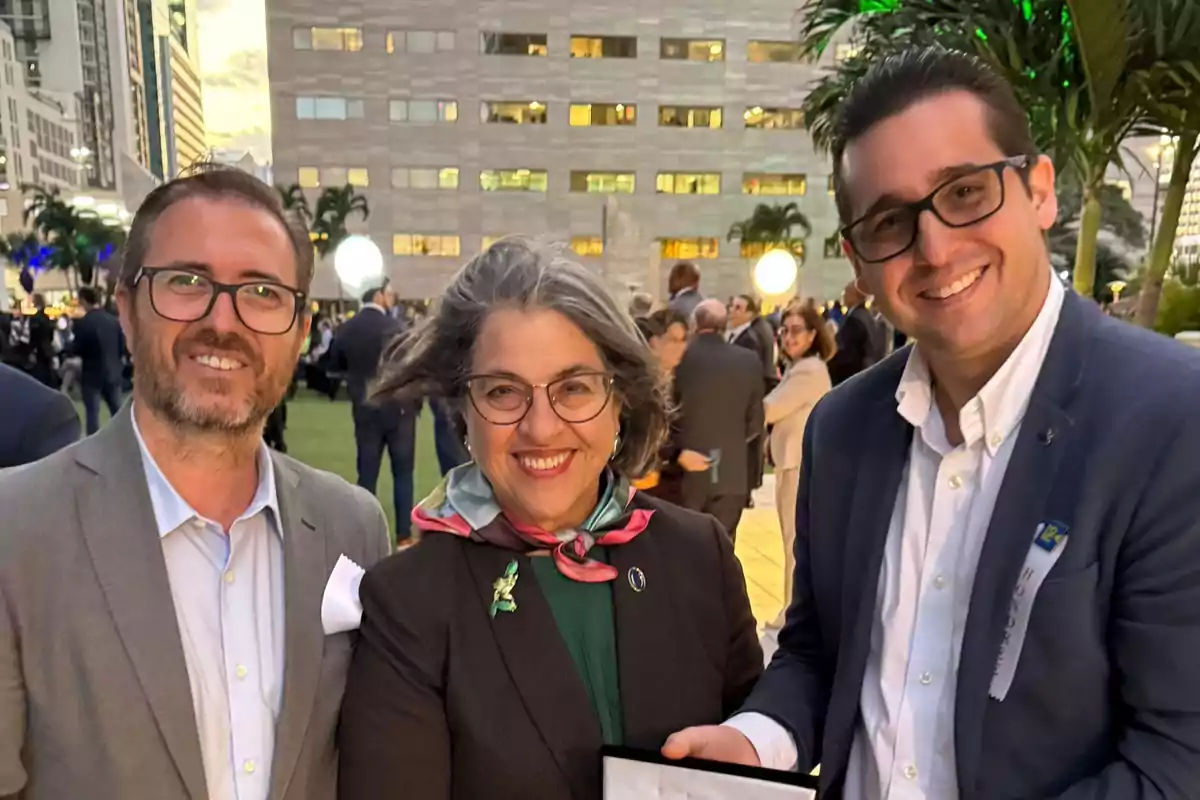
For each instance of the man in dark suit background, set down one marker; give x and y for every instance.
(391, 426)
(99, 343)
(997, 584)
(35, 420)
(749, 330)
(858, 337)
(719, 389)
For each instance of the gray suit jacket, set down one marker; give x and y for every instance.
(94, 693)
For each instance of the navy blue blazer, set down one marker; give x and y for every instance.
(98, 340)
(1105, 701)
(35, 420)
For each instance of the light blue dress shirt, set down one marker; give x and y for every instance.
(227, 589)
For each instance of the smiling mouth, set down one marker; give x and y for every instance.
(544, 463)
(218, 363)
(956, 288)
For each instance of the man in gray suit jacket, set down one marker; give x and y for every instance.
(164, 629)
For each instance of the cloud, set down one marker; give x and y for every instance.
(244, 69)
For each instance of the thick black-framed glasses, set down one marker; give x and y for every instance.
(962, 201)
(181, 295)
(506, 400)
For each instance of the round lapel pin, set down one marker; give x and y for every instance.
(637, 579)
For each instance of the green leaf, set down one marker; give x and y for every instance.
(511, 569)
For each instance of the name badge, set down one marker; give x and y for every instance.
(1048, 544)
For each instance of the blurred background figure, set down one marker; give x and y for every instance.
(807, 346)
(35, 420)
(666, 332)
(859, 339)
(378, 426)
(641, 305)
(683, 284)
(748, 329)
(448, 436)
(100, 345)
(42, 336)
(719, 393)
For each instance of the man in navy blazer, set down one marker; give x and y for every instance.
(997, 586)
(35, 420)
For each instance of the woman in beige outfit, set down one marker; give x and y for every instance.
(807, 345)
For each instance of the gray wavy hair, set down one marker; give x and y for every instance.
(435, 358)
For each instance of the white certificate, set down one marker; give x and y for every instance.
(640, 775)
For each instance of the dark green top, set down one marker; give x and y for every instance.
(584, 615)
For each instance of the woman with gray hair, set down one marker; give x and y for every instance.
(549, 608)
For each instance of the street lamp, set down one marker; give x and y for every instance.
(358, 262)
(775, 273)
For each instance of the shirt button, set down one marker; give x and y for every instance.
(939, 582)
(241, 671)
(229, 576)
(926, 679)
(955, 482)
(248, 766)
(910, 772)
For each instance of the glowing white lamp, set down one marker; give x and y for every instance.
(775, 273)
(358, 261)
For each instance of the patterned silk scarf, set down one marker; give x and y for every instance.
(464, 505)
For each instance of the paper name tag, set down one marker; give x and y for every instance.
(1048, 544)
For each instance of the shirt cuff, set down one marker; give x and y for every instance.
(775, 746)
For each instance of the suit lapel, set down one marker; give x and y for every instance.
(122, 537)
(881, 464)
(540, 666)
(304, 573)
(1047, 433)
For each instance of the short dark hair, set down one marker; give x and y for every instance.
(751, 303)
(369, 295)
(659, 322)
(683, 275)
(89, 295)
(214, 181)
(894, 84)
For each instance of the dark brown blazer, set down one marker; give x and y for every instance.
(445, 702)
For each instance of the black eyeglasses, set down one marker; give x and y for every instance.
(505, 400)
(184, 296)
(959, 202)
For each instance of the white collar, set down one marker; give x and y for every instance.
(739, 330)
(171, 510)
(998, 408)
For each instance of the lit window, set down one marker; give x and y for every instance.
(308, 177)
(603, 47)
(512, 180)
(586, 114)
(532, 112)
(689, 116)
(773, 118)
(587, 246)
(833, 247)
(759, 51)
(422, 110)
(689, 248)
(775, 183)
(358, 176)
(347, 39)
(602, 182)
(425, 244)
(831, 188)
(512, 44)
(425, 177)
(689, 183)
(488, 241)
(420, 41)
(693, 49)
(334, 176)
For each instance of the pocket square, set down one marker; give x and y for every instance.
(340, 607)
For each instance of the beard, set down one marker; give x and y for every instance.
(191, 407)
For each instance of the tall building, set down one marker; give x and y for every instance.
(637, 136)
(1187, 238)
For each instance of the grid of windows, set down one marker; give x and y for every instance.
(689, 183)
(512, 180)
(497, 43)
(422, 110)
(773, 118)
(340, 176)
(318, 38)
(531, 112)
(413, 41)
(692, 49)
(689, 248)
(588, 114)
(425, 177)
(689, 116)
(602, 182)
(603, 47)
(776, 184)
(426, 244)
(308, 107)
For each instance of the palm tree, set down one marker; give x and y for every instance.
(24, 251)
(78, 241)
(334, 208)
(771, 226)
(296, 202)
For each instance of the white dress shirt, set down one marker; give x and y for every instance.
(227, 589)
(904, 745)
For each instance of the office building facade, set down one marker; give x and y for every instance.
(637, 137)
